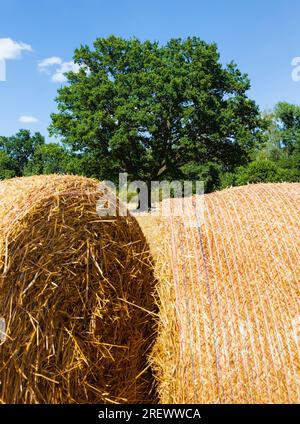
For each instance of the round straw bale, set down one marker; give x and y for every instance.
(229, 295)
(75, 297)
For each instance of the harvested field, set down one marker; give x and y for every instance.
(229, 296)
(75, 297)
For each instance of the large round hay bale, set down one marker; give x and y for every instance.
(229, 295)
(75, 297)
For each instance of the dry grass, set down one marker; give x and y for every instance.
(229, 295)
(76, 296)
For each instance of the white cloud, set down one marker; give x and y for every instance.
(59, 76)
(25, 119)
(55, 67)
(44, 65)
(10, 49)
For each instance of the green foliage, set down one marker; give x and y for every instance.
(209, 173)
(287, 117)
(259, 172)
(7, 166)
(228, 179)
(49, 159)
(20, 148)
(281, 144)
(150, 110)
(24, 154)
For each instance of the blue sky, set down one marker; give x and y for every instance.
(262, 37)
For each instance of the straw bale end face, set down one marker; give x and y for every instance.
(75, 294)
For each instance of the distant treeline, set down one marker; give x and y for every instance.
(170, 112)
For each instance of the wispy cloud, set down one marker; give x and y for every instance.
(59, 76)
(25, 119)
(10, 49)
(56, 67)
(45, 64)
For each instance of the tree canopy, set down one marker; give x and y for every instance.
(7, 166)
(156, 111)
(20, 148)
(28, 154)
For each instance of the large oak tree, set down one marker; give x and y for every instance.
(156, 111)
